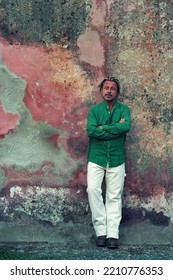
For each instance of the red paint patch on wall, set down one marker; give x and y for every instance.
(50, 95)
(53, 140)
(8, 122)
(47, 99)
(149, 182)
(27, 62)
(12, 173)
(44, 175)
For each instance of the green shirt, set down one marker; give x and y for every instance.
(106, 145)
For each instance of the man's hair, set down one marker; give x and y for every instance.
(111, 79)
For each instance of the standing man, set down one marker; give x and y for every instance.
(107, 125)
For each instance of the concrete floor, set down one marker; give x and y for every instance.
(141, 240)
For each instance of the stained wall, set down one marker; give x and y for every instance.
(53, 55)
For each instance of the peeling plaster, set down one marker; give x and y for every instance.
(46, 89)
(46, 204)
(15, 190)
(159, 202)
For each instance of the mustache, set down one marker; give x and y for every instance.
(108, 94)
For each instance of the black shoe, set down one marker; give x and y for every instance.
(101, 241)
(112, 243)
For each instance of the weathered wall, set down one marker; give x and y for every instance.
(53, 55)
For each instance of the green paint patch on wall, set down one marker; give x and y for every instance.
(44, 21)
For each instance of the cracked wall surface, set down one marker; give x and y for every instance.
(53, 56)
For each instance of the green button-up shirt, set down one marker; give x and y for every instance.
(106, 144)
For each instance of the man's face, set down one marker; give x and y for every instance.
(109, 91)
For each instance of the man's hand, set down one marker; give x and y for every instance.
(122, 120)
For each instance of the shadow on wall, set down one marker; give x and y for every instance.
(131, 216)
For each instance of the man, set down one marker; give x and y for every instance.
(107, 125)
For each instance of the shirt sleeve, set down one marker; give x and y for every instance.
(120, 127)
(94, 131)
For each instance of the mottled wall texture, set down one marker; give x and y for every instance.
(53, 55)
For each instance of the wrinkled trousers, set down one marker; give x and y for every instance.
(106, 216)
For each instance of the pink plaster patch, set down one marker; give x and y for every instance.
(130, 7)
(27, 62)
(91, 48)
(8, 122)
(98, 14)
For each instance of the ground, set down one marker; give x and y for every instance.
(84, 251)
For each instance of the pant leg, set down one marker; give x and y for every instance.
(114, 188)
(95, 176)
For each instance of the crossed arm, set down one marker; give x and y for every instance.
(111, 131)
(121, 121)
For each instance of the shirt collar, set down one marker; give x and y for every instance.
(106, 106)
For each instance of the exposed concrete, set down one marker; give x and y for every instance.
(81, 233)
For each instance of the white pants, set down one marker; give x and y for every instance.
(106, 216)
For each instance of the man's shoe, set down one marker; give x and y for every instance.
(101, 241)
(112, 243)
